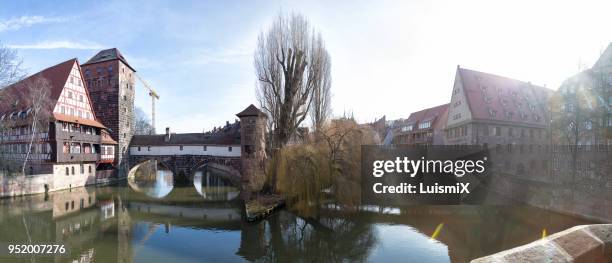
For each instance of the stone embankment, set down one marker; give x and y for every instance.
(586, 243)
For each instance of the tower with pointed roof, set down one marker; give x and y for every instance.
(253, 143)
(111, 80)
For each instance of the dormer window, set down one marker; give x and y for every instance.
(492, 113)
(407, 128)
(425, 125)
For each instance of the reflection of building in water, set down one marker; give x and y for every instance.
(107, 209)
(71, 201)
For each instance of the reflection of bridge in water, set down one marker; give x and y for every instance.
(155, 180)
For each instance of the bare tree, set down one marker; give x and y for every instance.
(321, 95)
(10, 66)
(288, 65)
(142, 123)
(37, 91)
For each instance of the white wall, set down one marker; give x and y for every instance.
(214, 150)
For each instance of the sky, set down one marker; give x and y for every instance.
(388, 57)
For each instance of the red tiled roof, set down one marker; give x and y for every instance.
(56, 75)
(74, 119)
(14, 98)
(434, 114)
(486, 93)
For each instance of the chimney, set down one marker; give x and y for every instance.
(167, 137)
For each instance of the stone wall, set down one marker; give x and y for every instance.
(112, 94)
(586, 243)
(253, 153)
(558, 178)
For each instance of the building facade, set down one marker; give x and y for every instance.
(51, 111)
(581, 107)
(111, 81)
(495, 110)
(425, 127)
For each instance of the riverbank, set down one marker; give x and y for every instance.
(262, 206)
(21, 185)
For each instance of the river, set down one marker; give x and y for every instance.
(149, 218)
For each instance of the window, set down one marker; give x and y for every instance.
(569, 107)
(510, 132)
(457, 116)
(493, 113)
(181, 147)
(67, 171)
(81, 98)
(139, 148)
(63, 110)
(70, 94)
(407, 128)
(425, 125)
(456, 104)
(588, 125)
(204, 147)
(149, 148)
(497, 131)
(89, 168)
(72, 170)
(82, 169)
(229, 149)
(72, 111)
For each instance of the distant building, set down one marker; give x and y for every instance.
(495, 110)
(425, 127)
(67, 151)
(581, 107)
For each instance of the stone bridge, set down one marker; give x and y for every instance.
(237, 148)
(183, 167)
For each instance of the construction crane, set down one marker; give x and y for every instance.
(154, 96)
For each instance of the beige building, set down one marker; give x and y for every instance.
(495, 110)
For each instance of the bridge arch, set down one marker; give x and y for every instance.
(154, 184)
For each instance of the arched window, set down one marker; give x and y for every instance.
(72, 170)
(67, 171)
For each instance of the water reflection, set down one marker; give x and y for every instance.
(121, 224)
(152, 179)
(212, 186)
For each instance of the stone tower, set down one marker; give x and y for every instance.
(110, 82)
(253, 147)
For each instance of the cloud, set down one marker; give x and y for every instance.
(27, 21)
(67, 44)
